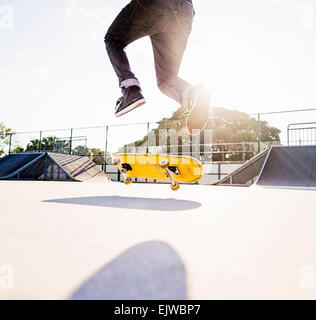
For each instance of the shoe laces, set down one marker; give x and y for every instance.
(119, 101)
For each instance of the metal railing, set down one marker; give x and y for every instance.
(301, 133)
(111, 138)
(259, 117)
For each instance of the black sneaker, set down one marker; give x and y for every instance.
(197, 105)
(132, 98)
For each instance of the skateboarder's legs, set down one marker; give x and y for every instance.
(124, 30)
(168, 23)
(168, 50)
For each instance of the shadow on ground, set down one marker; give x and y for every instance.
(132, 203)
(150, 270)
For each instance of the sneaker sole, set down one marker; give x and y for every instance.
(131, 107)
(196, 125)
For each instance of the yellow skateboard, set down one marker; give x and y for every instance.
(159, 167)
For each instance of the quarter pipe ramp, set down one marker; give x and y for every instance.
(289, 167)
(49, 166)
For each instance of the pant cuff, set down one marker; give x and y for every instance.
(129, 82)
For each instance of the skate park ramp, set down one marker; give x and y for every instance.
(293, 166)
(12, 163)
(49, 166)
(246, 174)
(80, 168)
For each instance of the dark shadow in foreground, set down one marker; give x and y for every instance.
(150, 270)
(132, 203)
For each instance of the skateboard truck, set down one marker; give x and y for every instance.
(116, 162)
(164, 164)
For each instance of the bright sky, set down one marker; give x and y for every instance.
(253, 56)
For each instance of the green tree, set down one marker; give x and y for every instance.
(17, 150)
(80, 151)
(96, 155)
(234, 126)
(238, 127)
(231, 129)
(4, 137)
(47, 144)
(33, 145)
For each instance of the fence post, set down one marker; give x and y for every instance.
(219, 171)
(244, 151)
(10, 142)
(191, 142)
(70, 142)
(106, 146)
(147, 149)
(288, 134)
(259, 133)
(40, 142)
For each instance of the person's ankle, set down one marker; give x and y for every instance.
(129, 82)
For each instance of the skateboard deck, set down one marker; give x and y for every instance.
(175, 169)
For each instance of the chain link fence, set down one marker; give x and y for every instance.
(98, 143)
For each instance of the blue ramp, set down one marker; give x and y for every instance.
(14, 162)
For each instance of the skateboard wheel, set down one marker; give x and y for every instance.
(128, 181)
(116, 162)
(175, 187)
(164, 164)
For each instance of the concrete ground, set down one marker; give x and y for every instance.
(61, 240)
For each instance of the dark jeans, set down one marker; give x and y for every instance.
(169, 24)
